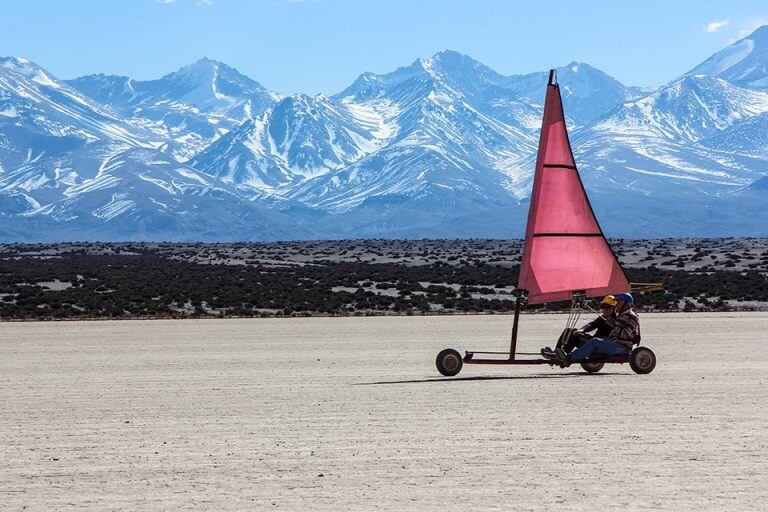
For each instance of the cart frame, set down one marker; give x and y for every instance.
(470, 356)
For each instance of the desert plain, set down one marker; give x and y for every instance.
(350, 414)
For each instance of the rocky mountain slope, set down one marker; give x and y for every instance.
(744, 63)
(188, 108)
(443, 147)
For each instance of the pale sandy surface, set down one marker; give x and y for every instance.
(246, 415)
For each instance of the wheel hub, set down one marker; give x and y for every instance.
(450, 362)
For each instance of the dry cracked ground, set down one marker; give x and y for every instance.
(350, 414)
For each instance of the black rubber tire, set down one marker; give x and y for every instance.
(592, 367)
(449, 362)
(642, 360)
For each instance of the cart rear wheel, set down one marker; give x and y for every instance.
(642, 360)
(592, 367)
(449, 362)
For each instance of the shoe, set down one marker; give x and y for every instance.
(548, 353)
(563, 358)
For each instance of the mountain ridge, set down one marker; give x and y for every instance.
(192, 106)
(444, 146)
(743, 63)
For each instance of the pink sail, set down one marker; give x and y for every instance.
(565, 250)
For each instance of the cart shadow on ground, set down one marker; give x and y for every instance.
(571, 375)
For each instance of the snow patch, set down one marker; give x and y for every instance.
(117, 206)
(9, 111)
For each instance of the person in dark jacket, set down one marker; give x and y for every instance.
(602, 324)
(624, 334)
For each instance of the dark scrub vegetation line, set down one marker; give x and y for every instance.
(72, 285)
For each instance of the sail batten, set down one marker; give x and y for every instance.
(567, 234)
(565, 250)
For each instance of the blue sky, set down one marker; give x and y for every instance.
(322, 45)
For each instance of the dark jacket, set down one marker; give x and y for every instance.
(603, 325)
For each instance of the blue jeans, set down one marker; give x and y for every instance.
(599, 346)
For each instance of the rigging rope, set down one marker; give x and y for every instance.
(574, 313)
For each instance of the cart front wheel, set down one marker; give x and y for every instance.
(592, 367)
(449, 362)
(642, 360)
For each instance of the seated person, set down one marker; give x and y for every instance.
(625, 333)
(603, 325)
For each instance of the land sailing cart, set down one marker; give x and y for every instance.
(565, 256)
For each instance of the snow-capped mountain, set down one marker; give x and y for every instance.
(70, 165)
(516, 99)
(587, 92)
(123, 191)
(189, 108)
(305, 137)
(442, 147)
(442, 127)
(663, 143)
(301, 137)
(655, 162)
(443, 144)
(744, 63)
(41, 116)
(475, 83)
(687, 110)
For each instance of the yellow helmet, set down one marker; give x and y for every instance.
(610, 300)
